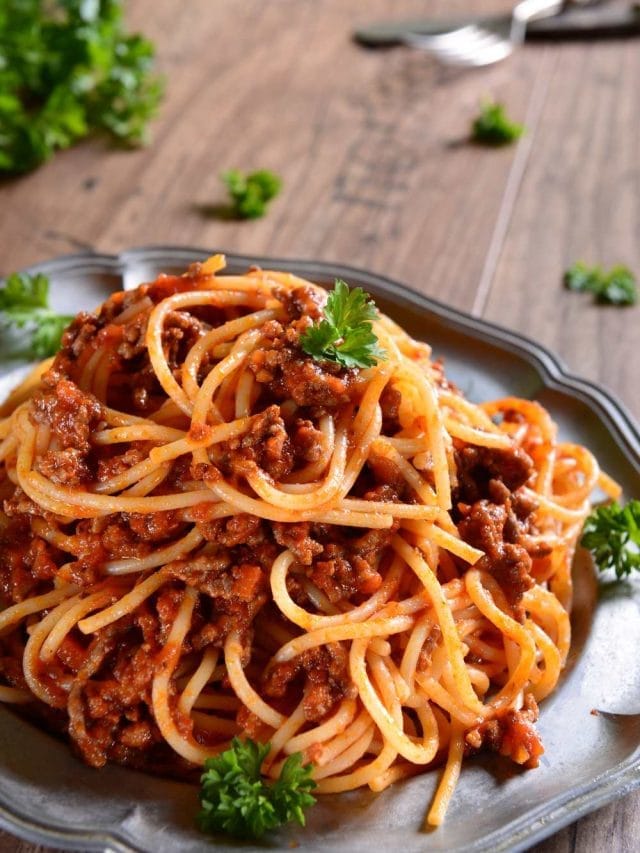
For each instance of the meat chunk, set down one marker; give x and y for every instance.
(290, 374)
(71, 413)
(303, 302)
(512, 735)
(68, 467)
(390, 400)
(237, 593)
(478, 466)
(265, 444)
(297, 537)
(325, 675)
(489, 527)
(307, 441)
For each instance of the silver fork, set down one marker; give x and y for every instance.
(474, 45)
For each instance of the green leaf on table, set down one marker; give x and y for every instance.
(615, 287)
(492, 126)
(250, 194)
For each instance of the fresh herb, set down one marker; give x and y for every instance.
(24, 303)
(345, 335)
(67, 68)
(612, 534)
(492, 127)
(616, 287)
(251, 193)
(236, 800)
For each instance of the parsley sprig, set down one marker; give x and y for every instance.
(612, 534)
(24, 304)
(345, 335)
(237, 801)
(615, 287)
(493, 127)
(250, 194)
(67, 68)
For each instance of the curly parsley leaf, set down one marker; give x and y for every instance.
(612, 534)
(67, 68)
(250, 194)
(615, 287)
(345, 335)
(493, 127)
(24, 304)
(237, 801)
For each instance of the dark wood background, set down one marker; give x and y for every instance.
(377, 173)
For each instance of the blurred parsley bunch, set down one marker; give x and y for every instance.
(67, 68)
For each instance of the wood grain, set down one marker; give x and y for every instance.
(372, 148)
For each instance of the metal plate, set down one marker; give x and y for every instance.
(47, 795)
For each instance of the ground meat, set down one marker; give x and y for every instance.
(495, 529)
(325, 675)
(40, 559)
(155, 526)
(390, 400)
(512, 735)
(80, 334)
(237, 593)
(180, 332)
(478, 466)
(287, 373)
(133, 337)
(19, 504)
(307, 441)
(68, 467)
(71, 414)
(265, 444)
(387, 475)
(116, 465)
(297, 537)
(303, 302)
(348, 565)
(242, 529)
(101, 710)
(26, 562)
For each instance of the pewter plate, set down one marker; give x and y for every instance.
(48, 796)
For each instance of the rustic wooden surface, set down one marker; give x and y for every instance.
(371, 147)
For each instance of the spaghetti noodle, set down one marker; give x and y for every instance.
(206, 533)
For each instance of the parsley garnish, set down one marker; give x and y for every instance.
(616, 287)
(236, 800)
(251, 193)
(492, 127)
(612, 534)
(345, 335)
(24, 303)
(67, 67)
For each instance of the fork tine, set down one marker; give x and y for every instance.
(478, 43)
(492, 53)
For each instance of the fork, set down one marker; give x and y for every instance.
(474, 45)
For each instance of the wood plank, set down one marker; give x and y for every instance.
(579, 199)
(373, 169)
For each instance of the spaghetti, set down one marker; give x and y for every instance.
(206, 533)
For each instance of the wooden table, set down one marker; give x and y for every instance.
(377, 173)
